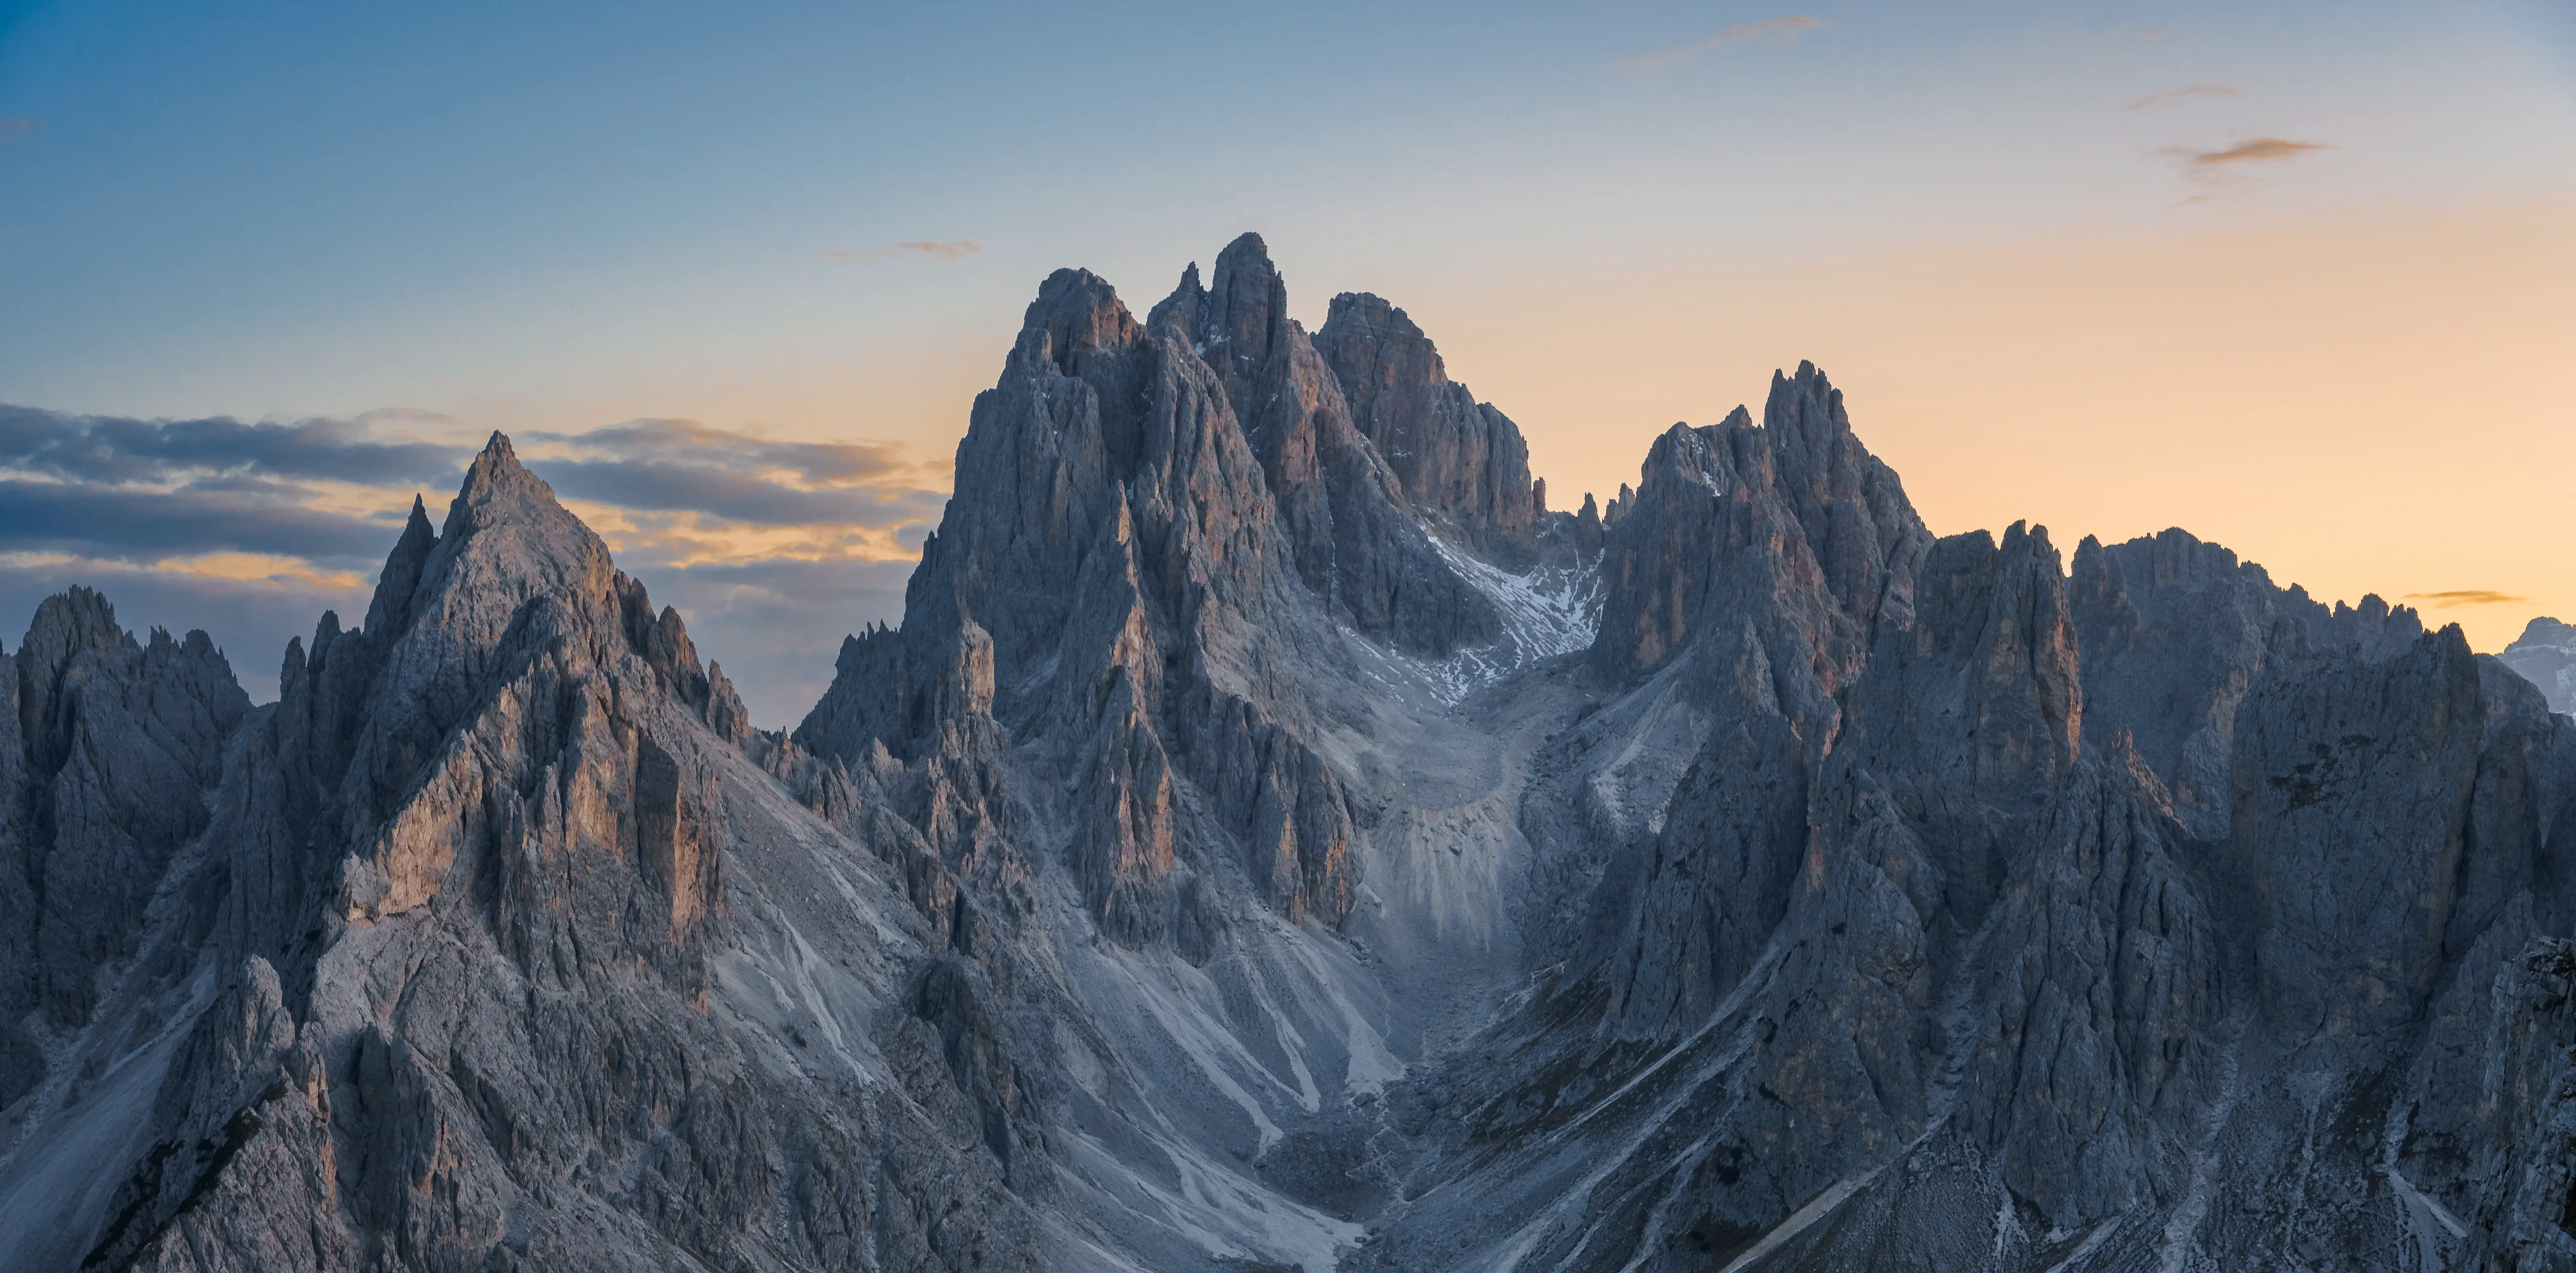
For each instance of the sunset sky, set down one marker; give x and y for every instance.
(2300, 280)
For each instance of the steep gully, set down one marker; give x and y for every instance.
(1272, 838)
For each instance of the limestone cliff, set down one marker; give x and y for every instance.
(1274, 839)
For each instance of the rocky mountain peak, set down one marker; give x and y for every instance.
(390, 607)
(1246, 308)
(1793, 511)
(67, 625)
(1805, 410)
(1853, 508)
(2547, 631)
(1075, 311)
(496, 477)
(1457, 459)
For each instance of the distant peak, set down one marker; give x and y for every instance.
(2543, 630)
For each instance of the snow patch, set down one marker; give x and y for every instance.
(1548, 612)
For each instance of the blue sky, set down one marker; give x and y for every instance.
(555, 219)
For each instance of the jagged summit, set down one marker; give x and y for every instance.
(1457, 458)
(1075, 311)
(1791, 523)
(1273, 838)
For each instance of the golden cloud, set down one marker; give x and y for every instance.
(2462, 597)
(2259, 150)
(252, 567)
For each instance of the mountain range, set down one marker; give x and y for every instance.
(1275, 838)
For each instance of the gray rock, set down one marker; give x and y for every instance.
(2526, 1167)
(104, 774)
(1458, 459)
(1272, 839)
(525, 968)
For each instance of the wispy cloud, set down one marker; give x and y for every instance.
(2259, 150)
(2230, 168)
(925, 249)
(2462, 597)
(13, 127)
(2170, 96)
(1766, 31)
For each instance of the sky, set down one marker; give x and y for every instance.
(2298, 277)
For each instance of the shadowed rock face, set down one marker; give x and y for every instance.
(1273, 839)
(105, 765)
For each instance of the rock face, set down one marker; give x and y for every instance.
(1457, 458)
(1274, 839)
(494, 951)
(2528, 1166)
(106, 761)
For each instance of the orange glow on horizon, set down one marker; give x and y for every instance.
(2365, 404)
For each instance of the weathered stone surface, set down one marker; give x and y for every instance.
(1343, 511)
(1273, 840)
(1793, 519)
(1203, 556)
(496, 996)
(1457, 458)
(105, 765)
(2526, 1166)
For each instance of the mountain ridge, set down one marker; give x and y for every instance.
(1274, 838)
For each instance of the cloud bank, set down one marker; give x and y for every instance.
(250, 531)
